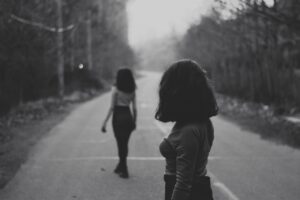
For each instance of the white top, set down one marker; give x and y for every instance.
(122, 98)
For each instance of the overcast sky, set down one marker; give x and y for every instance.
(150, 19)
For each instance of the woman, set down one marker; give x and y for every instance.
(124, 121)
(186, 98)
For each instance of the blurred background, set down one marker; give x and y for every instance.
(56, 55)
(250, 47)
(55, 47)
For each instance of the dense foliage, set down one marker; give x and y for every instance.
(254, 53)
(28, 45)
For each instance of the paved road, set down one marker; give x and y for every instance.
(75, 160)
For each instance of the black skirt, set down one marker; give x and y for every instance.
(122, 119)
(201, 189)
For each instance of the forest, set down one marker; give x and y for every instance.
(47, 47)
(251, 51)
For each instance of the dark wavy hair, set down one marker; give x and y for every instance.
(125, 81)
(185, 94)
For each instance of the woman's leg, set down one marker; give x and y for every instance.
(123, 151)
(122, 125)
(118, 167)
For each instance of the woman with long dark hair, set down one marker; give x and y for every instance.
(186, 98)
(124, 120)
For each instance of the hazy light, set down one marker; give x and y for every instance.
(80, 66)
(269, 2)
(150, 19)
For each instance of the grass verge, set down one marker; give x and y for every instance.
(260, 119)
(21, 129)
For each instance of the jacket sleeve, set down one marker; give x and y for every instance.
(186, 160)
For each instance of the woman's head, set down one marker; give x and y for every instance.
(185, 94)
(125, 81)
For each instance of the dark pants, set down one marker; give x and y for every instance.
(201, 189)
(123, 126)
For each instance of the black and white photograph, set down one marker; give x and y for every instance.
(149, 99)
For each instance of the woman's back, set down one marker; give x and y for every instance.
(123, 98)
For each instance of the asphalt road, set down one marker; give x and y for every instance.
(76, 161)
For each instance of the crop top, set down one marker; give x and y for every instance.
(186, 151)
(121, 98)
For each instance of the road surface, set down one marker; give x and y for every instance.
(76, 161)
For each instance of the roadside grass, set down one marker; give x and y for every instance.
(260, 119)
(14, 151)
(21, 129)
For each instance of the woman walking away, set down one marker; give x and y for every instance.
(186, 98)
(124, 121)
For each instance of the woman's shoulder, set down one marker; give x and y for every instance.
(181, 133)
(116, 90)
(190, 127)
(189, 131)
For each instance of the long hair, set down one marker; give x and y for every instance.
(185, 94)
(125, 81)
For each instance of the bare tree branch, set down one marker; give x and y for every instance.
(42, 26)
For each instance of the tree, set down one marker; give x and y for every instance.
(30, 46)
(254, 53)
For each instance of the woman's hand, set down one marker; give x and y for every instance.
(103, 129)
(134, 126)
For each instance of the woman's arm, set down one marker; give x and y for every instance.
(134, 109)
(110, 111)
(186, 161)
